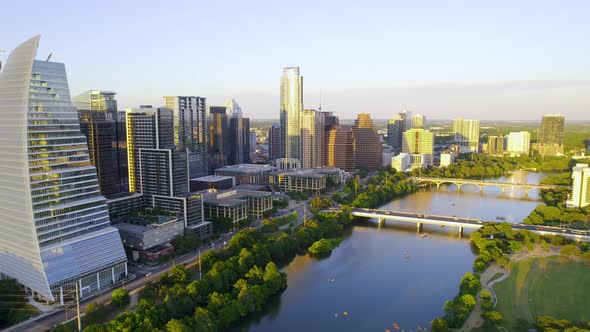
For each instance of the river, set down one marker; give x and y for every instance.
(385, 275)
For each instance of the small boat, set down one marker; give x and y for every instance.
(500, 218)
(345, 313)
(395, 326)
(336, 315)
(442, 226)
(423, 235)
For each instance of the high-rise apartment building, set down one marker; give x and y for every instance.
(419, 144)
(274, 142)
(395, 130)
(466, 134)
(100, 123)
(55, 231)
(368, 149)
(418, 121)
(309, 138)
(291, 108)
(550, 140)
(339, 145)
(518, 143)
(162, 172)
(147, 128)
(190, 130)
(218, 140)
(580, 196)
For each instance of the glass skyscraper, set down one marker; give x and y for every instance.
(190, 130)
(291, 109)
(54, 225)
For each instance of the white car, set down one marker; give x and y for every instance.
(148, 274)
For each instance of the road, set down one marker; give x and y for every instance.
(143, 275)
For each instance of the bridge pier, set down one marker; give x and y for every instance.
(419, 227)
(437, 186)
(380, 221)
(460, 231)
(459, 187)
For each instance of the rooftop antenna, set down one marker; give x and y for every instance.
(49, 57)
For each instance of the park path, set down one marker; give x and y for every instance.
(475, 320)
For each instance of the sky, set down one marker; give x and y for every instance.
(489, 60)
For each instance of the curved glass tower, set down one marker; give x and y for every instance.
(54, 224)
(291, 109)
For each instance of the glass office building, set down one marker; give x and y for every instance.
(55, 230)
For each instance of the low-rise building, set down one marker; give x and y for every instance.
(258, 201)
(298, 180)
(224, 205)
(189, 208)
(401, 162)
(247, 173)
(213, 182)
(447, 158)
(122, 204)
(144, 230)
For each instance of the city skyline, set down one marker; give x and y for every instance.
(462, 58)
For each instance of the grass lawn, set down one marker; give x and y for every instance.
(552, 286)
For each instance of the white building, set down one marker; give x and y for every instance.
(447, 158)
(401, 162)
(518, 143)
(580, 196)
(55, 231)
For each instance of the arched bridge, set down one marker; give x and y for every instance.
(481, 184)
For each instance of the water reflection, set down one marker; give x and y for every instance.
(387, 274)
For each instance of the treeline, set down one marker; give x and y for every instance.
(545, 214)
(237, 281)
(471, 166)
(385, 185)
(550, 324)
(457, 310)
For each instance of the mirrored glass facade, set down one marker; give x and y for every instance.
(54, 224)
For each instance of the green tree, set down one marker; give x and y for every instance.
(439, 324)
(321, 248)
(469, 284)
(492, 317)
(179, 274)
(120, 297)
(175, 325)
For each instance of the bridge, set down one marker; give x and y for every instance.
(421, 219)
(481, 184)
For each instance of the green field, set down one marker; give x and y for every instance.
(552, 286)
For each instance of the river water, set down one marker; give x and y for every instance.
(385, 275)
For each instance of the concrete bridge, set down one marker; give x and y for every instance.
(481, 184)
(461, 223)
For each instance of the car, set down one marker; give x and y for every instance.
(148, 274)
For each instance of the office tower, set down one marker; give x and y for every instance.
(518, 143)
(100, 131)
(580, 196)
(339, 145)
(309, 146)
(419, 144)
(147, 128)
(55, 230)
(239, 134)
(190, 130)
(395, 130)
(368, 149)
(466, 135)
(418, 121)
(322, 120)
(407, 116)
(364, 120)
(218, 140)
(104, 128)
(291, 108)
(274, 142)
(551, 135)
(253, 142)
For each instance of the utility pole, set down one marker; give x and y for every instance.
(78, 309)
(200, 274)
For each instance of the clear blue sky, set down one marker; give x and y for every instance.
(476, 59)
